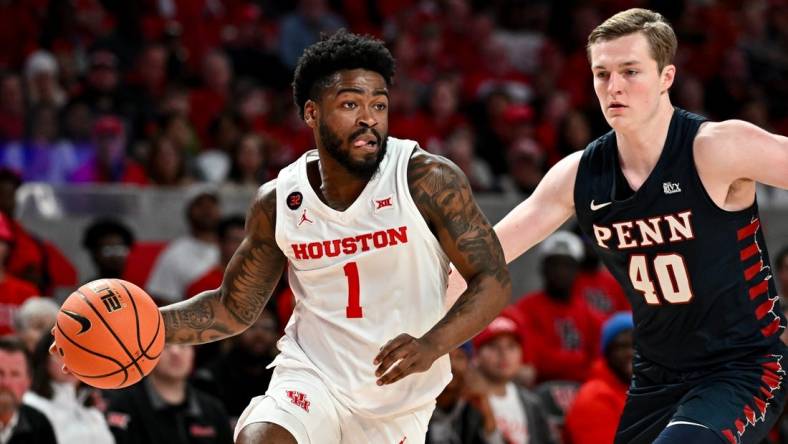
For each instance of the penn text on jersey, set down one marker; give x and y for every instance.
(651, 231)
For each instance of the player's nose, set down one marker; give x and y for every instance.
(614, 84)
(366, 118)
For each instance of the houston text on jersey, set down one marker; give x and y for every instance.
(351, 245)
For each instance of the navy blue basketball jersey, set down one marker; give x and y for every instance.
(697, 276)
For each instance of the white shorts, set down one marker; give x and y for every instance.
(298, 401)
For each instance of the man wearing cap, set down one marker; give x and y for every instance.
(518, 415)
(564, 330)
(109, 164)
(188, 258)
(594, 415)
(13, 291)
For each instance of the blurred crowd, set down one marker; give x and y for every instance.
(170, 93)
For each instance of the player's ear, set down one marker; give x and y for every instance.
(666, 79)
(310, 113)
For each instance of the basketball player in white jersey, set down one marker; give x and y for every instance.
(366, 225)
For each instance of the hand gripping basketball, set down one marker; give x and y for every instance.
(109, 333)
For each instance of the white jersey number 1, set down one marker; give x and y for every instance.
(353, 309)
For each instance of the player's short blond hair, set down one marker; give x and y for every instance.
(658, 32)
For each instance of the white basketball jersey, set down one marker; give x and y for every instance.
(360, 278)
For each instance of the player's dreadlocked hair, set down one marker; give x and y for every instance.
(340, 51)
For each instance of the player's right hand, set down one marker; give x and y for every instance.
(53, 351)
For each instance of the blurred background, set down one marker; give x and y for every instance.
(134, 134)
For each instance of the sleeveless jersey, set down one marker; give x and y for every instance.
(697, 276)
(360, 278)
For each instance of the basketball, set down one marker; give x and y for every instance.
(109, 333)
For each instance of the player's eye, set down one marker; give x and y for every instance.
(631, 72)
(601, 75)
(349, 105)
(380, 106)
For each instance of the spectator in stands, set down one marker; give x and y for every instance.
(303, 28)
(165, 408)
(236, 376)
(574, 133)
(35, 318)
(103, 90)
(13, 291)
(12, 108)
(459, 148)
(43, 156)
(594, 415)
(108, 242)
(177, 128)
(526, 166)
(230, 232)
(78, 126)
(189, 257)
(462, 412)
(19, 423)
(109, 163)
(32, 259)
(250, 161)
(213, 96)
(225, 131)
(564, 329)
(518, 414)
(167, 164)
(596, 286)
(41, 79)
(55, 394)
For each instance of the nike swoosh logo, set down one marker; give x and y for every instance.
(595, 207)
(83, 321)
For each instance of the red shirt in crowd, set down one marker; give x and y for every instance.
(602, 293)
(594, 414)
(211, 280)
(13, 292)
(562, 337)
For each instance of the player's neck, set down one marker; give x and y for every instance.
(639, 147)
(335, 186)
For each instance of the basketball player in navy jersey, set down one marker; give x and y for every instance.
(367, 224)
(668, 199)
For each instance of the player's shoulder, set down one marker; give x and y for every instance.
(718, 144)
(263, 206)
(432, 170)
(601, 146)
(726, 132)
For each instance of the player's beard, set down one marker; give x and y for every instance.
(364, 169)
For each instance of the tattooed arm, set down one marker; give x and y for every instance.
(249, 279)
(443, 196)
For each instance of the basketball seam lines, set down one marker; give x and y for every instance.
(106, 324)
(143, 350)
(123, 368)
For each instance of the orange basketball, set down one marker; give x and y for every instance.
(110, 333)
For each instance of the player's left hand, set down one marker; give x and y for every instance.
(402, 356)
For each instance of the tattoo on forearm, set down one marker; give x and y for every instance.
(251, 276)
